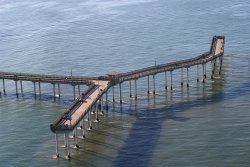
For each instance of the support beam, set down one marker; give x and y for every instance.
(154, 84)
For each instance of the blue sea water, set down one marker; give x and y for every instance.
(205, 125)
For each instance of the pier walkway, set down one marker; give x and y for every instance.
(98, 86)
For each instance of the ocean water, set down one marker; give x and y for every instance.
(205, 125)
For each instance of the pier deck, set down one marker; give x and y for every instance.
(80, 107)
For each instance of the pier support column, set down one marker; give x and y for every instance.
(135, 89)
(113, 91)
(54, 90)
(74, 91)
(39, 87)
(34, 88)
(187, 78)
(97, 113)
(102, 112)
(4, 87)
(148, 85)
(16, 88)
(120, 87)
(79, 89)
(67, 146)
(166, 84)
(59, 91)
(221, 60)
(154, 84)
(171, 80)
(130, 89)
(82, 128)
(89, 122)
(204, 72)
(76, 138)
(57, 153)
(181, 77)
(213, 68)
(21, 85)
(197, 72)
(107, 106)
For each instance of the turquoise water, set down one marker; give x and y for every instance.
(207, 125)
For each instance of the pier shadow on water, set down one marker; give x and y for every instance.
(144, 135)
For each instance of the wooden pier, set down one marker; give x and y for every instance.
(91, 98)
